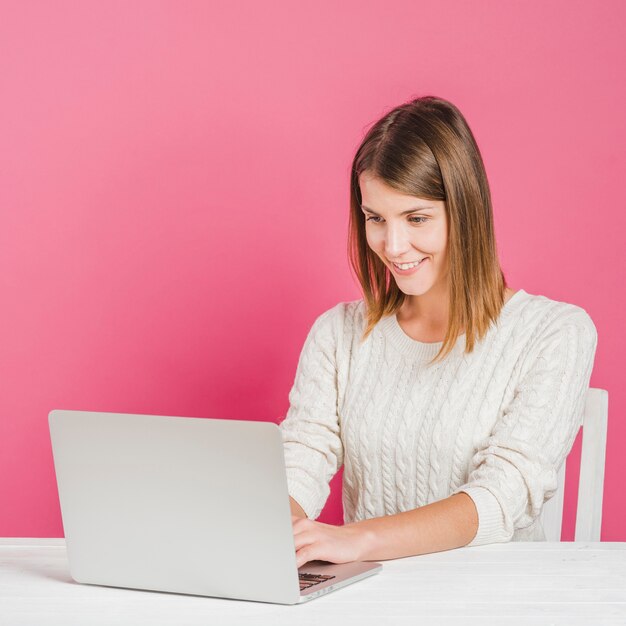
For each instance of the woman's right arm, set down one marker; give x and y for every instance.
(310, 431)
(296, 509)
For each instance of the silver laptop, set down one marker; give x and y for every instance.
(185, 505)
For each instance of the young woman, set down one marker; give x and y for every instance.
(450, 399)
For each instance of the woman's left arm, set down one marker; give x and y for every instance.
(511, 476)
(442, 525)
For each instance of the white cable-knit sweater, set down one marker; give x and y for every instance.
(495, 424)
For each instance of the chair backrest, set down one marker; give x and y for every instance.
(591, 479)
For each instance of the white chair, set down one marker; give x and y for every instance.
(591, 479)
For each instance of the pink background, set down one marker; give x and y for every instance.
(174, 197)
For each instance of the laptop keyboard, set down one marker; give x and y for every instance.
(308, 580)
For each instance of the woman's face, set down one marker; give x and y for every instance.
(404, 229)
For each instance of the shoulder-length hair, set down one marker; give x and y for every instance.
(425, 148)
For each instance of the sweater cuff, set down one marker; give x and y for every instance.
(490, 517)
(304, 490)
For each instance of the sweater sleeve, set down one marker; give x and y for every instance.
(310, 430)
(515, 471)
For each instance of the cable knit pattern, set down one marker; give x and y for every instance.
(496, 424)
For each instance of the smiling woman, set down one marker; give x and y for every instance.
(425, 151)
(450, 399)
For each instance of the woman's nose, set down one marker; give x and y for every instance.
(396, 242)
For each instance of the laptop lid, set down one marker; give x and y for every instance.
(180, 504)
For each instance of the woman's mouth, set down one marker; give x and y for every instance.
(411, 269)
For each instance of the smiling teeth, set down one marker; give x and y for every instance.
(407, 266)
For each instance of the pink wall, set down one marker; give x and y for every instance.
(173, 196)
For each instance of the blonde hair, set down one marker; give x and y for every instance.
(425, 148)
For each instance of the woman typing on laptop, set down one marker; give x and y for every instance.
(450, 399)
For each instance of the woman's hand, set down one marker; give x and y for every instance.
(326, 542)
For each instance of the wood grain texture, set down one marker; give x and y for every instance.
(516, 583)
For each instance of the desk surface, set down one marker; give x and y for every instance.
(513, 583)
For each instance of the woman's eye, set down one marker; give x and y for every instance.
(415, 217)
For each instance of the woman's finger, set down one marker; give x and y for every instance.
(303, 539)
(304, 555)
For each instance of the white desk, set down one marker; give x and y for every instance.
(515, 583)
